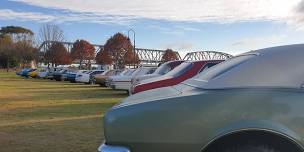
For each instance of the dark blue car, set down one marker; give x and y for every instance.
(25, 72)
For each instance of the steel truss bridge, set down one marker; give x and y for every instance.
(150, 56)
(207, 55)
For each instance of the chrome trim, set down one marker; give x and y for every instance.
(108, 148)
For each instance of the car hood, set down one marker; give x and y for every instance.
(147, 76)
(150, 95)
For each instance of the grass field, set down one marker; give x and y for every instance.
(49, 116)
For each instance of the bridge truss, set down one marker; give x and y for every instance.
(150, 56)
(207, 55)
(146, 56)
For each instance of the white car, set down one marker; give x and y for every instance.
(87, 77)
(126, 72)
(161, 70)
(124, 82)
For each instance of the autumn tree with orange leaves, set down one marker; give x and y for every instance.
(118, 50)
(131, 58)
(57, 54)
(104, 58)
(169, 55)
(83, 51)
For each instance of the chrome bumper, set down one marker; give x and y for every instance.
(108, 148)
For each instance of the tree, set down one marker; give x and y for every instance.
(17, 33)
(131, 58)
(117, 47)
(169, 55)
(23, 45)
(103, 57)
(83, 51)
(6, 48)
(57, 54)
(50, 32)
(25, 52)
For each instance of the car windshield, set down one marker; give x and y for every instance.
(163, 69)
(179, 70)
(223, 67)
(142, 71)
(127, 72)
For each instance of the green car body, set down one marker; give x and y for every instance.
(214, 112)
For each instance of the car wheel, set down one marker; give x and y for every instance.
(251, 148)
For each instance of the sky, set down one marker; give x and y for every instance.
(230, 26)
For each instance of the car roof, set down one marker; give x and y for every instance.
(276, 67)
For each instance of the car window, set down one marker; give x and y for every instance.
(179, 70)
(163, 69)
(207, 66)
(151, 71)
(96, 72)
(224, 67)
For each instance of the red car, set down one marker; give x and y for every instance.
(179, 74)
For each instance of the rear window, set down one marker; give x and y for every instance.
(224, 67)
(179, 70)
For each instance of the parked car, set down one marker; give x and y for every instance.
(25, 72)
(60, 75)
(161, 70)
(126, 72)
(51, 71)
(101, 78)
(87, 77)
(33, 74)
(124, 82)
(184, 71)
(43, 73)
(71, 76)
(250, 103)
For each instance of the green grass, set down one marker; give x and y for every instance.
(48, 116)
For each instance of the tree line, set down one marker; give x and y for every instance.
(18, 49)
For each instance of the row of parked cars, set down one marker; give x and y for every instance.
(252, 102)
(131, 80)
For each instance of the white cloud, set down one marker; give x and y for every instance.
(289, 12)
(8, 14)
(222, 11)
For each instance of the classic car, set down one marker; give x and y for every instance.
(25, 72)
(43, 73)
(101, 78)
(184, 71)
(125, 72)
(52, 71)
(250, 103)
(87, 77)
(71, 76)
(59, 76)
(33, 74)
(161, 70)
(124, 82)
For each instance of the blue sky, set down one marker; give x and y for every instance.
(231, 26)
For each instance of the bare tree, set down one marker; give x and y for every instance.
(50, 32)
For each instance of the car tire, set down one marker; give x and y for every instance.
(251, 148)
